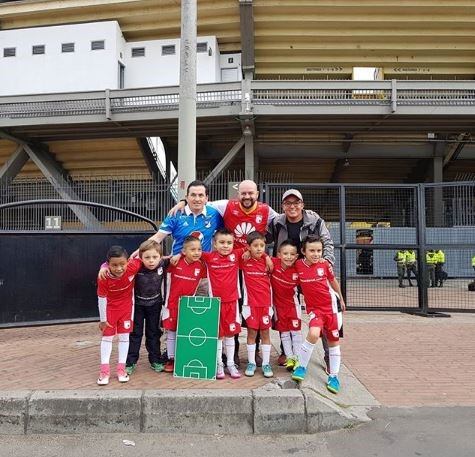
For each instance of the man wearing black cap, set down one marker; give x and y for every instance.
(295, 224)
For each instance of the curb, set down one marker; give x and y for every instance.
(267, 410)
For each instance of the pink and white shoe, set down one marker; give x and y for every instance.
(104, 375)
(220, 372)
(234, 372)
(122, 375)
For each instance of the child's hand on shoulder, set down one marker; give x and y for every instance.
(103, 272)
(246, 255)
(174, 259)
(269, 264)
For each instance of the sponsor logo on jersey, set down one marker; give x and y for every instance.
(197, 234)
(232, 257)
(258, 219)
(127, 324)
(185, 224)
(131, 278)
(235, 213)
(265, 320)
(208, 224)
(320, 271)
(244, 229)
(197, 271)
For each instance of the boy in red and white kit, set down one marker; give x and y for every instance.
(257, 303)
(284, 280)
(185, 278)
(223, 268)
(115, 301)
(323, 299)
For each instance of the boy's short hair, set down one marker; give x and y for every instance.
(116, 251)
(189, 239)
(311, 239)
(287, 242)
(149, 244)
(223, 231)
(253, 236)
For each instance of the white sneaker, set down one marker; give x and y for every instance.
(220, 372)
(234, 372)
(122, 375)
(104, 375)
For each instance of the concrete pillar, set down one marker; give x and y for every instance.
(187, 108)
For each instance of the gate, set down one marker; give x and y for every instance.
(369, 223)
(49, 276)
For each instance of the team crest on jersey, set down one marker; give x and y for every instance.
(232, 327)
(258, 219)
(320, 271)
(295, 323)
(197, 234)
(232, 257)
(244, 229)
(335, 333)
(265, 320)
(197, 271)
(295, 276)
(208, 224)
(160, 271)
(127, 325)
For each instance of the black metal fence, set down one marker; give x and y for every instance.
(369, 224)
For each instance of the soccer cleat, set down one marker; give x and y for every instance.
(267, 371)
(130, 368)
(104, 375)
(291, 363)
(220, 372)
(282, 360)
(122, 375)
(250, 369)
(156, 366)
(169, 366)
(333, 384)
(234, 372)
(299, 373)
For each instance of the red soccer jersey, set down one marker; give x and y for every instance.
(223, 274)
(256, 283)
(284, 285)
(119, 291)
(314, 280)
(242, 223)
(184, 280)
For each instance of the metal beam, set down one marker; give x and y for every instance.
(225, 161)
(454, 149)
(246, 14)
(149, 157)
(340, 165)
(55, 174)
(13, 165)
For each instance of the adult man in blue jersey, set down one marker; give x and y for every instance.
(197, 219)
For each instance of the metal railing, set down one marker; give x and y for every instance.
(281, 93)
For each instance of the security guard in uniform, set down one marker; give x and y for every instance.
(411, 265)
(431, 260)
(400, 259)
(439, 268)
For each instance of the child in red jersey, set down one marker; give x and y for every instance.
(287, 318)
(223, 269)
(185, 278)
(115, 301)
(323, 300)
(257, 303)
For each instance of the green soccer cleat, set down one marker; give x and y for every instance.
(129, 369)
(333, 384)
(157, 367)
(291, 363)
(250, 369)
(299, 374)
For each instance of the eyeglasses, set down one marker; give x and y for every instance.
(292, 203)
